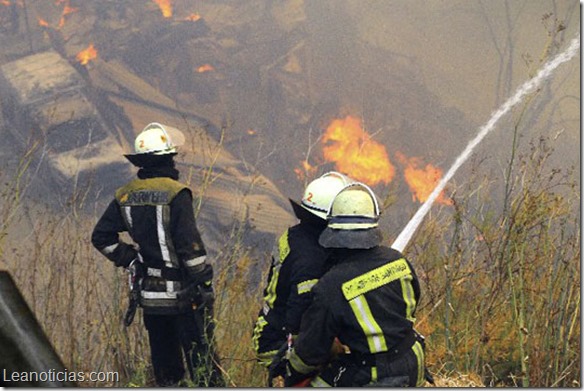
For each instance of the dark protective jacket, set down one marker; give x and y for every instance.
(157, 213)
(298, 261)
(368, 301)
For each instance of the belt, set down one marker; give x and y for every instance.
(382, 358)
(167, 273)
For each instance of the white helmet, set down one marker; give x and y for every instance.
(353, 219)
(320, 192)
(155, 139)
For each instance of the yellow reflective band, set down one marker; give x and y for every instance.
(257, 333)
(376, 278)
(419, 352)
(319, 382)
(279, 255)
(374, 334)
(265, 359)
(283, 246)
(373, 374)
(306, 286)
(409, 297)
(299, 365)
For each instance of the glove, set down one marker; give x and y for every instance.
(136, 268)
(277, 367)
(200, 295)
(123, 255)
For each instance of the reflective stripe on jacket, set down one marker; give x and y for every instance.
(367, 300)
(298, 261)
(158, 215)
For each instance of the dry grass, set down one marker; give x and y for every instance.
(501, 285)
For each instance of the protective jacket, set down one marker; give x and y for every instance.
(368, 301)
(157, 212)
(298, 261)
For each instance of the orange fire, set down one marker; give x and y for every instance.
(66, 11)
(5, 2)
(422, 181)
(193, 17)
(43, 23)
(165, 7)
(87, 55)
(307, 171)
(205, 68)
(355, 153)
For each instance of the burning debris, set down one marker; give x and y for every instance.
(87, 55)
(165, 7)
(225, 60)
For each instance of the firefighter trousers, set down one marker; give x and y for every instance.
(175, 339)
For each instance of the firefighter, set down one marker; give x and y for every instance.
(298, 261)
(367, 300)
(176, 292)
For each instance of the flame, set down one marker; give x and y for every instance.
(251, 132)
(306, 171)
(43, 23)
(422, 181)
(193, 17)
(5, 2)
(165, 7)
(205, 68)
(66, 11)
(355, 153)
(87, 55)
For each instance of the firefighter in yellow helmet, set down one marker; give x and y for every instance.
(298, 261)
(171, 277)
(367, 300)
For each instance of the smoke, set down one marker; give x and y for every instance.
(404, 237)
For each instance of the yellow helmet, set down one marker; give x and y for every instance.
(353, 219)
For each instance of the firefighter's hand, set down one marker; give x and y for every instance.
(200, 295)
(277, 367)
(338, 349)
(136, 268)
(205, 295)
(123, 255)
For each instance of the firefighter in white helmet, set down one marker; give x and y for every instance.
(298, 261)
(172, 280)
(367, 301)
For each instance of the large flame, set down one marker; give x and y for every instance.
(422, 180)
(87, 55)
(355, 153)
(165, 7)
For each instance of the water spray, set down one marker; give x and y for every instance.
(404, 237)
